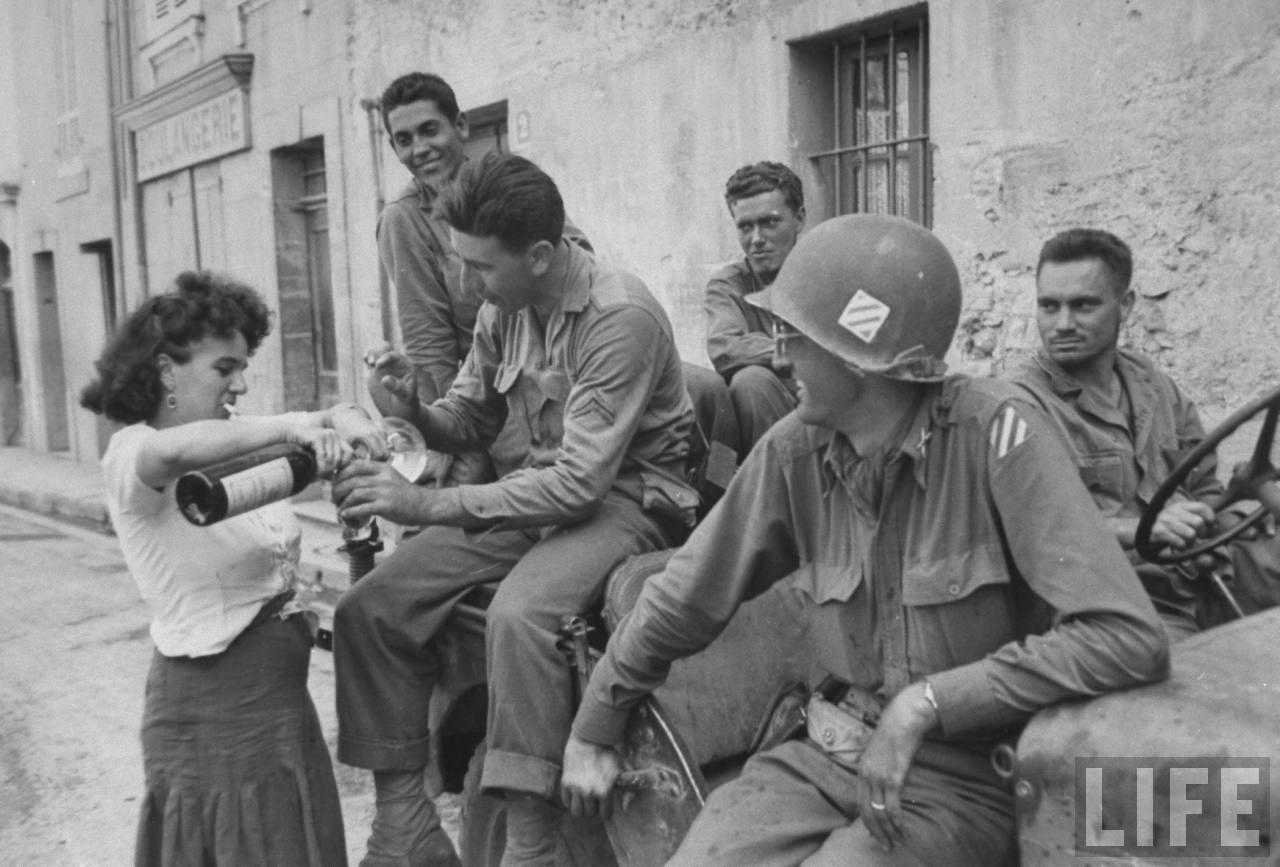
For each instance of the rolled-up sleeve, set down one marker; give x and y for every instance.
(740, 549)
(613, 381)
(731, 344)
(1105, 633)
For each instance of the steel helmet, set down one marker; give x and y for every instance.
(879, 292)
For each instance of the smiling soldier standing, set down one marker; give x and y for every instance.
(437, 315)
(766, 202)
(437, 303)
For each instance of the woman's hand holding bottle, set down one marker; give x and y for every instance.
(367, 437)
(331, 451)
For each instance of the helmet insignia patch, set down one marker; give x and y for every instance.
(863, 316)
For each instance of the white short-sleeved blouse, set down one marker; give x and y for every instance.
(203, 585)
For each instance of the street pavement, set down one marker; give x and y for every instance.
(74, 652)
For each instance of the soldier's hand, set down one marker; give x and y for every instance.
(1181, 523)
(362, 433)
(586, 783)
(366, 489)
(884, 763)
(392, 382)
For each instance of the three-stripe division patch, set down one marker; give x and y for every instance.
(1008, 431)
(864, 315)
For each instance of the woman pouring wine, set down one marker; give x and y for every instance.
(237, 771)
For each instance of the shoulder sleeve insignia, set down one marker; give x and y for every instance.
(1008, 431)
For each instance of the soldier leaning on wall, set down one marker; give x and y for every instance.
(766, 201)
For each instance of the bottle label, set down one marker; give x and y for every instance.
(257, 486)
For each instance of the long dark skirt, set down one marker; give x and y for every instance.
(237, 769)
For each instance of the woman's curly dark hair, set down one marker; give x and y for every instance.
(202, 304)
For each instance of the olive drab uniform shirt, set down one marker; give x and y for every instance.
(436, 312)
(739, 334)
(599, 392)
(1124, 454)
(969, 554)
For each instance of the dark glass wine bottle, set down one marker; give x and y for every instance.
(244, 483)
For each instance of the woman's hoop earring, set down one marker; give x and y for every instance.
(171, 400)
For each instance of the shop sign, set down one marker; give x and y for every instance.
(215, 127)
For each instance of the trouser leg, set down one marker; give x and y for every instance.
(793, 805)
(759, 398)
(532, 823)
(383, 660)
(529, 682)
(1253, 579)
(712, 407)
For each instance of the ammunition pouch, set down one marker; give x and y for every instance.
(838, 718)
(839, 730)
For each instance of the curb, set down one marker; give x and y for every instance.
(87, 512)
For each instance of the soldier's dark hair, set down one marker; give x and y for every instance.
(417, 86)
(201, 305)
(507, 197)
(1074, 245)
(763, 177)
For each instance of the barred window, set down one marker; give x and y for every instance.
(878, 158)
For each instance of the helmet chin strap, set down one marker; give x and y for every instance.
(913, 365)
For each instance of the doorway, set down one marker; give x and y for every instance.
(308, 331)
(10, 366)
(49, 351)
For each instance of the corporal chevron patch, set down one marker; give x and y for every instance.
(1008, 431)
(863, 316)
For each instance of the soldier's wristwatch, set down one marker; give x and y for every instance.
(931, 697)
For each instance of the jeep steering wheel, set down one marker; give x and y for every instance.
(1255, 479)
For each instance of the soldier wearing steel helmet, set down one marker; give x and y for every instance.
(953, 570)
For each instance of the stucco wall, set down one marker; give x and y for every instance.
(1157, 119)
(62, 203)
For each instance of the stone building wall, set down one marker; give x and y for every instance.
(248, 202)
(1157, 119)
(56, 200)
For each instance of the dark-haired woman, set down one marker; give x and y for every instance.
(237, 771)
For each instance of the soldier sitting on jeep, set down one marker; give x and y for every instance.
(1126, 422)
(583, 356)
(955, 573)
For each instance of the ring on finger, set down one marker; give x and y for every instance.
(876, 806)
